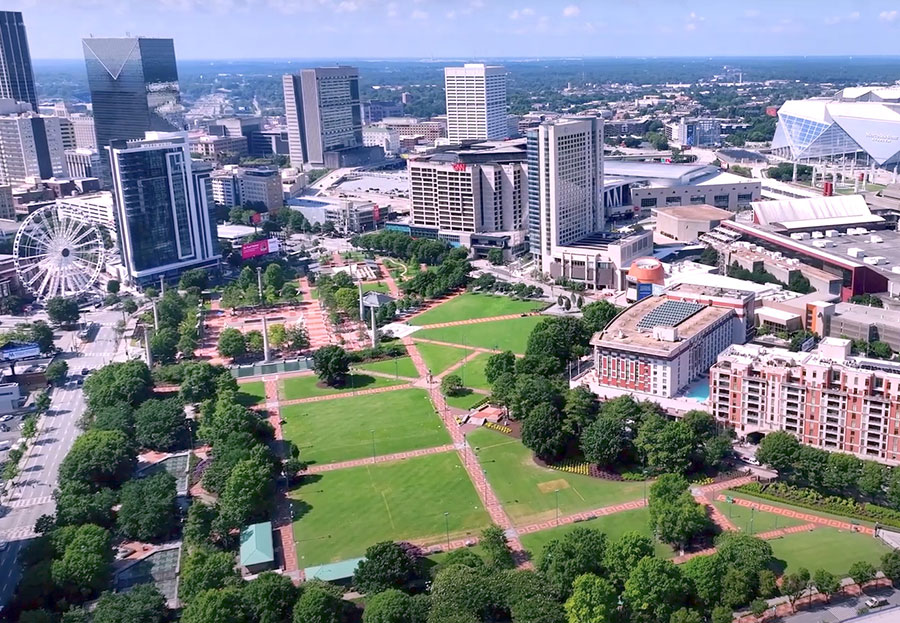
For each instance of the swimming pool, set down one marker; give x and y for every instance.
(698, 391)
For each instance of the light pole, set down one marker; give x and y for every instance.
(752, 509)
(484, 483)
(557, 507)
(447, 527)
(396, 369)
(373, 444)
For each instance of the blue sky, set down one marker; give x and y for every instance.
(459, 29)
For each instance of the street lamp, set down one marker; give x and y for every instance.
(557, 507)
(373, 444)
(447, 527)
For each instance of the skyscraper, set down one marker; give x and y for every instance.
(323, 112)
(476, 102)
(31, 146)
(134, 87)
(16, 74)
(565, 178)
(164, 211)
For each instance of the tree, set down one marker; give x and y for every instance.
(464, 557)
(187, 344)
(779, 451)
(793, 585)
(277, 335)
(580, 551)
(77, 503)
(890, 565)
(56, 372)
(270, 598)
(709, 256)
(147, 507)
(221, 606)
(36, 616)
(598, 314)
(332, 365)
(655, 589)
(498, 364)
(390, 606)
(737, 587)
(593, 600)
(861, 572)
(542, 432)
(745, 552)
(255, 342)
(842, 472)
(623, 554)
(758, 607)
(686, 615)
(127, 382)
(826, 582)
(319, 604)
(63, 311)
(721, 614)
(495, 257)
(198, 524)
(232, 343)
(604, 440)
(497, 554)
(142, 603)
(196, 278)
(164, 345)
(160, 424)
(113, 286)
(118, 416)
(297, 338)
(705, 575)
(199, 382)
(766, 584)
(204, 569)
(248, 493)
(451, 385)
(580, 410)
(98, 458)
(42, 402)
(129, 306)
(667, 448)
(83, 570)
(386, 565)
(556, 341)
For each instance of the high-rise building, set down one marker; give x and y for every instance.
(16, 74)
(565, 162)
(323, 112)
(83, 162)
(68, 133)
(85, 136)
(476, 102)
(31, 146)
(164, 211)
(237, 186)
(134, 87)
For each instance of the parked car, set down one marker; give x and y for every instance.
(876, 602)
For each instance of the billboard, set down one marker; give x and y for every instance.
(13, 351)
(644, 290)
(259, 248)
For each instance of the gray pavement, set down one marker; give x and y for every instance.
(30, 495)
(840, 610)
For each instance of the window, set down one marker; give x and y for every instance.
(648, 202)
(720, 201)
(673, 201)
(698, 199)
(745, 197)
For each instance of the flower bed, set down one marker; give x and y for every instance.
(572, 466)
(506, 430)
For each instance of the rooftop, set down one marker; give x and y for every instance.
(632, 330)
(256, 544)
(814, 212)
(696, 213)
(232, 232)
(333, 572)
(866, 314)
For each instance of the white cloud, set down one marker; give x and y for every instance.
(842, 19)
(571, 11)
(347, 6)
(521, 13)
(418, 14)
(889, 16)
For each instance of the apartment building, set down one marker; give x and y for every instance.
(826, 398)
(476, 102)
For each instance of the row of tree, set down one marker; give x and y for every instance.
(452, 274)
(234, 344)
(277, 286)
(407, 248)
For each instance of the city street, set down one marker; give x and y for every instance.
(31, 495)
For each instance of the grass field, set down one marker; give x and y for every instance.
(465, 400)
(439, 358)
(472, 372)
(798, 509)
(467, 306)
(252, 393)
(403, 366)
(762, 522)
(826, 548)
(341, 513)
(341, 430)
(308, 386)
(511, 334)
(377, 286)
(526, 490)
(613, 526)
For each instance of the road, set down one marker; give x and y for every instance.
(31, 494)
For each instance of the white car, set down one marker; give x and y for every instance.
(876, 602)
(753, 461)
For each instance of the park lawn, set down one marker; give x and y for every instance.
(465, 400)
(798, 509)
(613, 526)
(250, 394)
(826, 548)
(328, 431)
(762, 522)
(510, 334)
(377, 286)
(472, 372)
(526, 490)
(338, 514)
(469, 305)
(307, 386)
(403, 366)
(438, 358)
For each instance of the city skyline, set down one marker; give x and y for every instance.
(504, 28)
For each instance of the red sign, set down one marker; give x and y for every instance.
(459, 166)
(376, 213)
(254, 249)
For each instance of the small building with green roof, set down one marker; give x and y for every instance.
(257, 549)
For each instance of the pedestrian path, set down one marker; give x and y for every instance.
(477, 349)
(29, 502)
(807, 517)
(583, 516)
(384, 458)
(339, 395)
(458, 323)
(780, 532)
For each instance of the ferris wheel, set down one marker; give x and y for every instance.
(58, 253)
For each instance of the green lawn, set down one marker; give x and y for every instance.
(403, 366)
(526, 490)
(377, 286)
(511, 334)
(614, 526)
(469, 305)
(740, 516)
(753, 498)
(308, 385)
(339, 514)
(472, 372)
(438, 358)
(826, 548)
(465, 400)
(252, 393)
(341, 430)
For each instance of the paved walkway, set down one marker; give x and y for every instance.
(349, 394)
(807, 517)
(384, 458)
(583, 516)
(457, 323)
(478, 349)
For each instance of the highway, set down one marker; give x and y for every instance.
(31, 495)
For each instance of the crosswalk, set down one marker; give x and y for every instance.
(29, 502)
(17, 534)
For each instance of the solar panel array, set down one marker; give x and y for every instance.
(669, 314)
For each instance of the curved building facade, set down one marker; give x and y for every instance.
(859, 125)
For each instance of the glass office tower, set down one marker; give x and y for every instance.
(134, 87)
(16, 74)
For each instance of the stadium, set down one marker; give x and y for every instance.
(858, 125)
